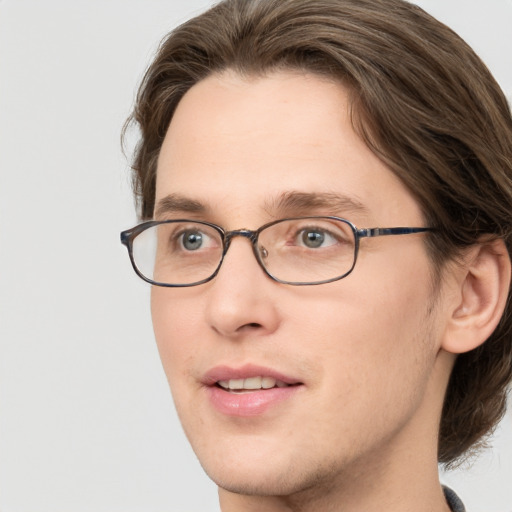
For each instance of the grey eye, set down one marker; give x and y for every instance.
(192, 240)
(313, 239)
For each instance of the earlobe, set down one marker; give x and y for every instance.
(483, 284)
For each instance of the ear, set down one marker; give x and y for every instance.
(481, 287)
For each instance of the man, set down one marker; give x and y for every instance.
(326, 187)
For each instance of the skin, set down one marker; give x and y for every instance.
(360, 434)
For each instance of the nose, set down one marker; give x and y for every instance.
(242, 298)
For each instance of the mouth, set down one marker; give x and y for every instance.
(248, 391)
(252, 384)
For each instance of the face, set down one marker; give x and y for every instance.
(350, 364)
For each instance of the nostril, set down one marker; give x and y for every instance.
(252, 325)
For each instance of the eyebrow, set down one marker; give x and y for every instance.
(176, 203)
(303, 203)
(287, 204)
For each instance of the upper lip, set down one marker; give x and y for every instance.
(247, 371)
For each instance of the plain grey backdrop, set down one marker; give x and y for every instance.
(86, 420)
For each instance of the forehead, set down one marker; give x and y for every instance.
(242, 142)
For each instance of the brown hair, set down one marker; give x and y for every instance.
(422, 101)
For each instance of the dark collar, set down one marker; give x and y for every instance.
(453, 500)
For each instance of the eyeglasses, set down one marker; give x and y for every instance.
(295, 251)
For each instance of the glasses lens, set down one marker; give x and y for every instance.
(178, 253)
(307, 250)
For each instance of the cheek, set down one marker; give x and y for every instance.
(373, 336)
(176, 324)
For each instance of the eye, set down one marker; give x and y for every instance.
(193, 240)
(313, 238)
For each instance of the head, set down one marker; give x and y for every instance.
(420, 111)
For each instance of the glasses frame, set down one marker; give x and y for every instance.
(129, 235)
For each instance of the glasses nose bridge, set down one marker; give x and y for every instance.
(249, 234)
(252, 236)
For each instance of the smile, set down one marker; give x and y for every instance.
(251, 384)
(248, 391)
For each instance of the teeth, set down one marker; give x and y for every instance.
(223, 384)
(251, 383)
(268, 382)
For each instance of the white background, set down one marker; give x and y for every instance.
(86, 419)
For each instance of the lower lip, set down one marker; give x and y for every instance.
(250, 403)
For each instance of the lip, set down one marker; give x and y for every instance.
(252, 403)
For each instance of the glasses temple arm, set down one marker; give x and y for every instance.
(372, 232)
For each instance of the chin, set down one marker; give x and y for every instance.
(264, 482)
(268, 471)
(249, 468)
(249, 486)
